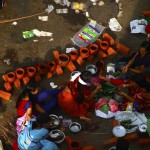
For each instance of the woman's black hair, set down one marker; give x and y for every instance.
(42, 119)
(122, 144)
(146, 45)
(86, 77)
(26, 92)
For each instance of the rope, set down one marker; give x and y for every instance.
(10, 20)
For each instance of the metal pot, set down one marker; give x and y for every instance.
(118, 97)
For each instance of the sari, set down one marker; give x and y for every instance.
(67, 100)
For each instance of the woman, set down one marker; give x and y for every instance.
(138, 63)
(33, 137)
(77, 97)
(44, 100)
(139, 92)
(24, 109)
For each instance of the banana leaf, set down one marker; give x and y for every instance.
(104, 109)
(107, 91)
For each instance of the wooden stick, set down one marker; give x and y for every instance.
(10, 20)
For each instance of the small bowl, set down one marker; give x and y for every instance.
(119, 131)
(57, 136)
(143, 127)
(56, 121)
(91, 68)
(75, 127)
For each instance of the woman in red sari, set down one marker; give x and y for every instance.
(77, 97)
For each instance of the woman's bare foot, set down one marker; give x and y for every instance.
(87, 119)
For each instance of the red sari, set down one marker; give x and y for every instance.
(68, 100)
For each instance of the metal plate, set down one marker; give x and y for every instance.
(119, 131)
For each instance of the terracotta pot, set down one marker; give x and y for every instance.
(56, 54)
(73, 55)
(93, 48)
(31, 71)
(10, 77)
(111, 51)
(73, 144)
(123, 49)
(63, 60)
(20, 73)
(37, 78)
(5, 95)
(17, 83)
(90, 58)
(26, 79)
(51, 66)
(49, 75)
(108, 38)
(104, 45)
(80, 61)
(42, 68)
(71, 67)
(84, 52)
(100, 64)
(59, 70)
(102, 54)
(7, 86)
(146, 13)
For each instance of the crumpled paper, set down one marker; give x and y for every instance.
(41, 33)
(114, 25)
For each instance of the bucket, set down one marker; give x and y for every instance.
(92, 68)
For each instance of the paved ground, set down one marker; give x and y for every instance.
(26, 52)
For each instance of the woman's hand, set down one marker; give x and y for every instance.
(121, 93)
(124, 69)
(103, 78)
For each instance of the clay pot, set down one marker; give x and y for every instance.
(111, 51)
(7, 86)
(102, 54)
(56, 54)
(5, 95)
(51, 66)
(31, 71)
(73, 55)
(80, 61)
(63, 60)
(104, 45)
(73, 145)
(71, 67)
(108, 38)
(20, 73)
(10, 77)
(26, 79)
(49, 75)
(123, 49)
(99, 65)
(59, 70)
(84, 52)
(38, 77)
(93, 48)
(42, 68)
(17, 83)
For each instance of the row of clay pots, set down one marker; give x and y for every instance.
(103, 47)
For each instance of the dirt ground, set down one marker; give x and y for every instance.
(23, 53)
